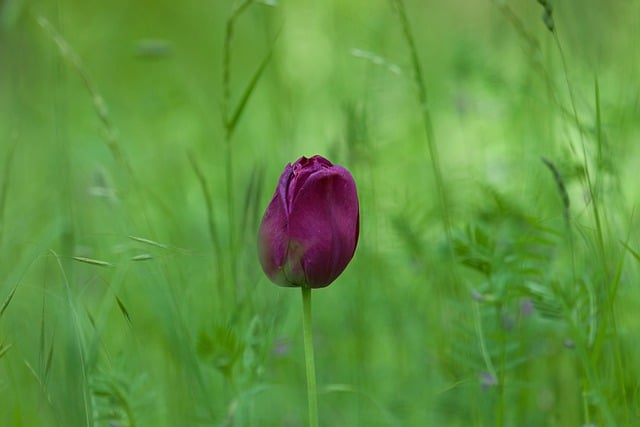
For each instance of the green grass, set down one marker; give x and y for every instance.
(494, 148)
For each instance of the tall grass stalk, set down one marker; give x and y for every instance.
(109, 129)
(80, 342)
(231, 116)
(609, 320)
(97, 99)
(228, 131)
(211, 225)
(587, 170)
(615, 280)
(426, 119)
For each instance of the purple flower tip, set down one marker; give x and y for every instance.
(487, 380)
(310, 230)
(527, 308)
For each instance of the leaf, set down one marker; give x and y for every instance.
(475, 250)
(235, 117)
(222, 349)
(633, 252)
(118, 397)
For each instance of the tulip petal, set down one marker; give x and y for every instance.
(301, 171)
(324, 224)
(273, 238)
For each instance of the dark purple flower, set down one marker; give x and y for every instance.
(310, 229)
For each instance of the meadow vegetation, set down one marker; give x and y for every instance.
(495, 149)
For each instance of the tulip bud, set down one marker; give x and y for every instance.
(309, 231)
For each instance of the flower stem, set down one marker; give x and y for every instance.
(312, 394)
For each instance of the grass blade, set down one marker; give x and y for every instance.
(123, 309)
(148, 242)
(246, 95)
(562, 189)
(632, 251)
(7, 300)
(211, 223)
(4, 349)
(251, 211)
(92, 261)
(5, 182)
(78, 335)
(226, 68)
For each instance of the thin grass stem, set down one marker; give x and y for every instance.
(211, 223)
(86, 398)
(590, 187)
(230, 117)
(426, 119)
(589, 368)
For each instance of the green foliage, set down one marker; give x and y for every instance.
(118, 399)
(495, 281)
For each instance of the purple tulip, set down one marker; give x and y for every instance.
(310, 229)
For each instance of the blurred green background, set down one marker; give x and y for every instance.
(129, 201)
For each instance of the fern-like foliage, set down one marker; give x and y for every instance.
(118, 399)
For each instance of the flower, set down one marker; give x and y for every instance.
(309, 231)
(487, 380)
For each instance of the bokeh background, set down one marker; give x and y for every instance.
(141, 141)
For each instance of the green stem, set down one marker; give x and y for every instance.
(312, 393)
